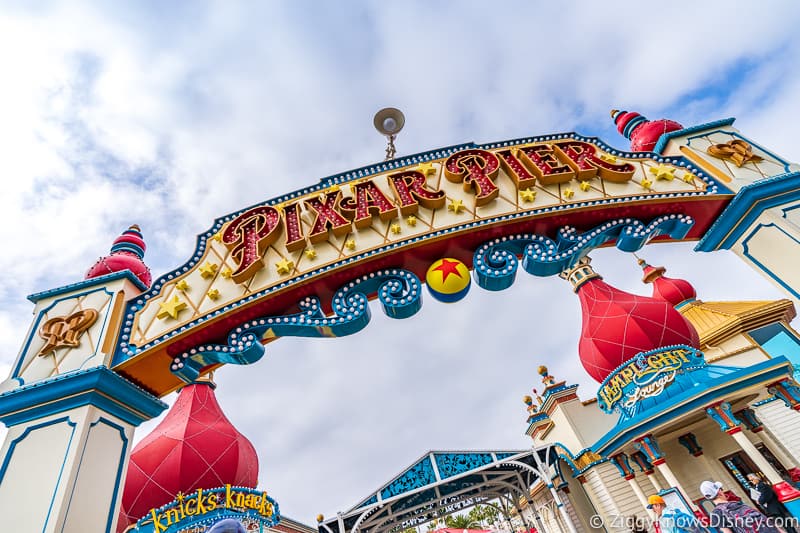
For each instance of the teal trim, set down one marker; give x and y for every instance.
(665, 138)
(692, 400)
(746, 207)
(118, 478)
(37, 321)
(124, 274)
(28, 431)
(762, 266)
(97, 386)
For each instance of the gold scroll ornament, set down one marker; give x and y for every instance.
(65, 332)
(738, 151)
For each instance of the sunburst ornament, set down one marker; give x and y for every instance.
(448, 280)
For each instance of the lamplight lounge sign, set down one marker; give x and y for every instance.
(645, 376)
(199, 511)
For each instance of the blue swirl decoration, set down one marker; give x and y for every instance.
(399, 292)
(496, 263)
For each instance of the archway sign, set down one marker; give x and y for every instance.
(100, 352)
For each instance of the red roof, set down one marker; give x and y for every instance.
(617, 325)
(195, 446)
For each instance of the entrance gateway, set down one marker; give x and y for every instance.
(100, 352)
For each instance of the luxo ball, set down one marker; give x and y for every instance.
(448, 280)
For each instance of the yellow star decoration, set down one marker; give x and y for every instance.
(456, 206)
(227, 273)
(213, 294)
(350, 244)
(646, 183)
(310, 253)
(284, 266)
(411, 220)
(395, 228)
(568, 193)
(527, 195)
(688, 178)
(334, 188)
(170, 308)
(585, 186)
(663, 172)
(208, 270)
(608, 158)
(182, 285)
(217, 236)
(426, 169)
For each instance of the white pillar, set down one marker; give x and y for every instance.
(666, 471)
(755, 455)
(46, 481)
(654, 480)
(637, 490)
(544, 474)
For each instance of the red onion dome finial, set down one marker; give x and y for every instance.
(617, 325)
(194, 446)
(674, 291)
(127, 253)
(644, 134)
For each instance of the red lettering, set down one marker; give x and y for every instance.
(293, 227)
(368, 200)
(543, 161)
(410, 190)
(582, 158)
(516, 170)
(327, 217)
(477, 169)
(248, 236)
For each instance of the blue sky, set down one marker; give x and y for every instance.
(171, 114)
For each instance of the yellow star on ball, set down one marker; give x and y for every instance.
(395, 228)
(411, 220)
(311, 253)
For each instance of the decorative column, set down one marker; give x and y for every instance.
(722, 415)
(649, 447)
(752, 423)
(620, 460)
(647, 469)
(544, 475)
(53, 425)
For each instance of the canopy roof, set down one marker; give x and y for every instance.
(441, 483)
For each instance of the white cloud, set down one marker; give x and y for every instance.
(170, 116)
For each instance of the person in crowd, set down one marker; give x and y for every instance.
(769, 502)
(733, 516)
(671, 519)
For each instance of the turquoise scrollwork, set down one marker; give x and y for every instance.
(496, 262)
(419, 475)
(451, 464)
(399, 292)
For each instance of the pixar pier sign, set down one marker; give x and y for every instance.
(265, 260)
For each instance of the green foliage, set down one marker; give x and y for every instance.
(478, 516)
